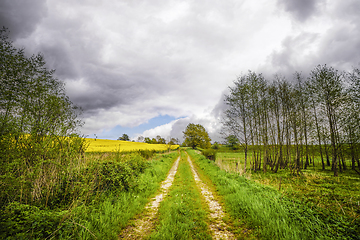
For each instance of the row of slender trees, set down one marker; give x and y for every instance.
(286, 123)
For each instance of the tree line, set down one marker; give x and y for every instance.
(157, 140)
(287, 123)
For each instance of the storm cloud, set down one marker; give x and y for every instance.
(301, 9)
(22, 17)
(126, 62)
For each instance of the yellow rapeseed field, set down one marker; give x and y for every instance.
(104, 145)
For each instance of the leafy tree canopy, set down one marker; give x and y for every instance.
(232, 141)
(32, 100)
(160, 140)
(195, 135)
(124, 137)
(173, 141)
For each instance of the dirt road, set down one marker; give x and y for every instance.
(145, 223)
(217, 225)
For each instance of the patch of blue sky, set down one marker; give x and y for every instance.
(118, 131)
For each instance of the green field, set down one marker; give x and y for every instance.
(289, 213)
(313, 185)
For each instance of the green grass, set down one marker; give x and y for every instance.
(182, 215)
(107, 217)
(272, 215)
(240, 228)
(319, 187)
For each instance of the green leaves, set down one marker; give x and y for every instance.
(38, 125)
(196, 136)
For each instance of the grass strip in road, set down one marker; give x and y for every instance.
(240, 229)
(181, 213)
(105, 218)
(270, 214)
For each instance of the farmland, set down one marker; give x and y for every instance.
(104, 145)
(313, 185)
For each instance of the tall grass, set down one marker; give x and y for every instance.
(271, 215)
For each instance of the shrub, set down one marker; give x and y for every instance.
(209, 154)
(215, 146)
(22, 221)
(121, 175)
(147, 154)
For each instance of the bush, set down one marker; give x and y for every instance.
(215, 146)
(22, 221)
(147, 154)
(114, 174)
(209, 154)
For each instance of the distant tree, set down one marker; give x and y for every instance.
(140, 139)
(195, 135)
(173, 141)
(215, 145)
(124, 137)
(160, 140)
(147, 140)
(232, 141)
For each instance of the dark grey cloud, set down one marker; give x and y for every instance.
(294, 56)
(21, 17)
(300, 9)
(336, 46)
(340, 47)
(125, 62)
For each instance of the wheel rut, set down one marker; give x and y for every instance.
(217, 225)
(143, 226)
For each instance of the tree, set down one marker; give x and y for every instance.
(173, 141)
(232, 142)
(124, 137)
(38, 125)
(327, 86)
(351, 118)
(160, 140)
(237, 114)
(140, 139)
(32, 100)
(195, 135)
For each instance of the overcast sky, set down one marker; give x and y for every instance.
(151, 67)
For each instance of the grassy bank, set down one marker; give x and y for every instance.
(182, 215)
(110, 190)
(272, 215)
